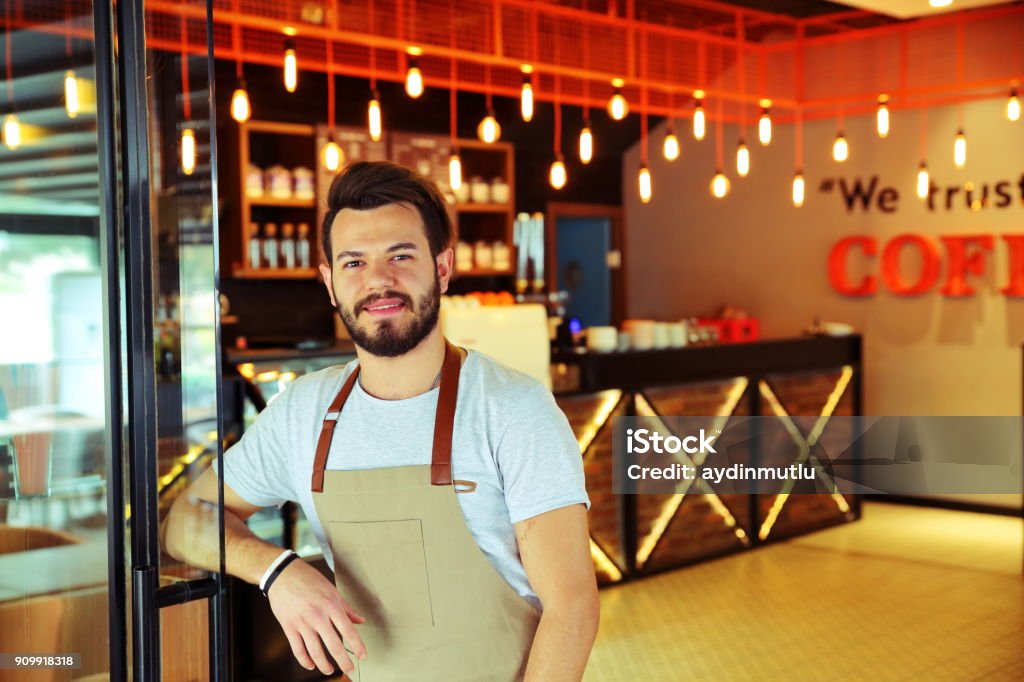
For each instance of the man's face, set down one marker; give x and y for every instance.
(383, 281)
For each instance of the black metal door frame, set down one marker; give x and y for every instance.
(126, 253)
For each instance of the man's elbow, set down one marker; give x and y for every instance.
(582, 608)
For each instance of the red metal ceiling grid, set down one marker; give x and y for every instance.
(668, 49)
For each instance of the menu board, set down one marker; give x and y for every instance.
(426, 154)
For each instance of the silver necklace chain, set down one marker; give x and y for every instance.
(359, 380)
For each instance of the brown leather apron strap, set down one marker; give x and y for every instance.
(444, 423)
(323, 445)
(444, 420)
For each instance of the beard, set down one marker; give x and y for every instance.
(391, 338)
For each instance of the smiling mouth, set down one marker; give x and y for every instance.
(381, 308)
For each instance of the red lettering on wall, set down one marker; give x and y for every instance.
(837, 266)
(1015, 247)
(959, 263)
(891, 274)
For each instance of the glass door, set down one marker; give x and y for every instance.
(109, 350)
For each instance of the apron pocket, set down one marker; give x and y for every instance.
(381, 569)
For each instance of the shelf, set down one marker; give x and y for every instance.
(483, 272)
(279, 273)
(290, 203)
(483, 208)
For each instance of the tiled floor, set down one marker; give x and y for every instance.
(903, 594)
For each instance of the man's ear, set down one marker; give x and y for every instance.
(325, 274)
(445, 261)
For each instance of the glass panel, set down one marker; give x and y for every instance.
(184, 268)
(53, 356)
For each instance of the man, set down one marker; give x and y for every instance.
(446, 490)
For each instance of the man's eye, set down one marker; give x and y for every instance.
(403, 256)
(352, 263)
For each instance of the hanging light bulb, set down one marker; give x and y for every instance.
(764, 124)
(71, 93)
(333, 157)
(882, 116)
(526, 95)
(12, 131)
(413, 76)
(374, 117)
(719, 185)
(699, 120)
(798, 189)
(291, 67)
(742, 160)
(618, 107)
(670, 148)
(240, 108)
(923, 182)
(1013, 106)
(960, 149)
(586, 144)
(557, 177)
(840, 148)
(188, 151)
(489, 130)
(455, 171)
(644, 181)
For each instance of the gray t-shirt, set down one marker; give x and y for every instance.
(510, 437)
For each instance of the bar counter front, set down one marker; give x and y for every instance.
(637, 535)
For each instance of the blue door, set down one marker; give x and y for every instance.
(582, 246)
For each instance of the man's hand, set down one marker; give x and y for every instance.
(312, 614)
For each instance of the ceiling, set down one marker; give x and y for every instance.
(897, 9)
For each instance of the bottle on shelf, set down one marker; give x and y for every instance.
(270, 247)
(288, 246)
(255, 247)
(302, 247)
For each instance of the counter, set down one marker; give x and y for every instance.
(635, 535)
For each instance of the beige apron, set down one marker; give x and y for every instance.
(435, 608)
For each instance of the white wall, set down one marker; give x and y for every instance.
(688, 253)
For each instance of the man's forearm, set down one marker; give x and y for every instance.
(563, 642)
(190, 534)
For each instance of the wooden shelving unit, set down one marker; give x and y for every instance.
(290, 145)
(489, 222)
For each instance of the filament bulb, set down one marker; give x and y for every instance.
(557, 177)
(840, 148)
(742, 160)
(12, 131)
(489, 130)
(188, 151)
(455, 172)
(240, 107)
(644, 182)
(374, 118)
(670, 148)
(333, 156)
(414, 80)
(1013, 106)
(764, 127)
(719, 185)
(291, 67)
(798, 189)
(960, 150)
(526, 99)
(586, 145)
(618, 107)
(71, 94)
(882, 116)
(699, 121)
(923, 182)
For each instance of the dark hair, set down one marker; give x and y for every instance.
(372, 184)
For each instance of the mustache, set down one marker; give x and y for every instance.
(373, 298)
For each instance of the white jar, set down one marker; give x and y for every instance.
(500, 191)
(303, 183)
(480, 191)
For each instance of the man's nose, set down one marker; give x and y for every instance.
(379, 275)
